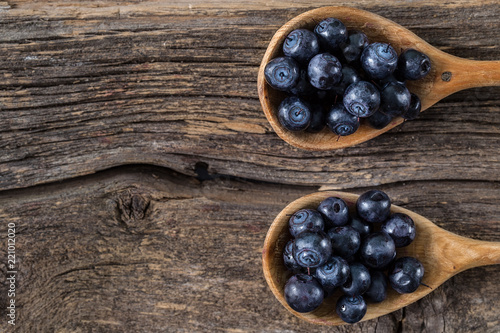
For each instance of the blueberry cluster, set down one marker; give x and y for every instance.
(332, 249)
(334, 77)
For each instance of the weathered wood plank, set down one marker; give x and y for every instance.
(85, 89)
(87, 86)
(145, 249)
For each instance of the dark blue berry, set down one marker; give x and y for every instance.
(323, 95)
(379, 120)
(358, 281)
(341, 122)
(324, 71)
(331, 33)
(318, 120)
(351, 309)
(362, 227)
(312, 249)
(413, 64)
(305, 219)
(303, 88)
(394, 99)
(282, 73)
(401, 228)
(303, 293)
(406, 275)
(362, 99)
(377, 250)
(345, 241)
(294, 114)
(352, 259)
(378, 288)
(379, 60)
(414, 109)
(333, 274)
(335, 212)
(391, 262)
(288, 259)
(373, 206)
(301, 44)
(357, 39)
(349, 76)
(393, 78)
(354, 45)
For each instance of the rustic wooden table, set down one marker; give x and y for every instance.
(141, 175)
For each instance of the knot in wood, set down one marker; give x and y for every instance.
(446, 76)
(132, 207)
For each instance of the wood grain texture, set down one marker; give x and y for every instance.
(85, 89)
(148, 250)
(173, 243)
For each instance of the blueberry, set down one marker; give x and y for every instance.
(362, 227)
(393, 78)
(322, 95)
(414, 109)
(318, 119)
(288, 259)
(303, 293)
(358, 281)
(294, 114)
(302, 88)
(324, 71)
(351, 309)
(331, 33)
(401, 228)
(326, 98)
(379, 120)
(414, 64)
(349, 76)
(377, 250)
(282, 73)
(341, 122)
(374, 206)
(406, 275)
(394, 99)
(352, 259)
(335, 212)
(356, 42)
(345, 241)
(312, 249)
(378, 288)
(379, 60)
(362, 99)
(333, 274)
(391, 262)
(305, 219)
(357, 39)
(301, 44)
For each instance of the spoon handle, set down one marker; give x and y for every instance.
(465, 73)
(464, 253)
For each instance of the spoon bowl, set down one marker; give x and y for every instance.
(442, 253)
(448, 73)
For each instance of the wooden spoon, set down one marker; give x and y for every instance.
(442, 253)
(449, 74)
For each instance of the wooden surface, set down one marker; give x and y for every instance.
(141, 173)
